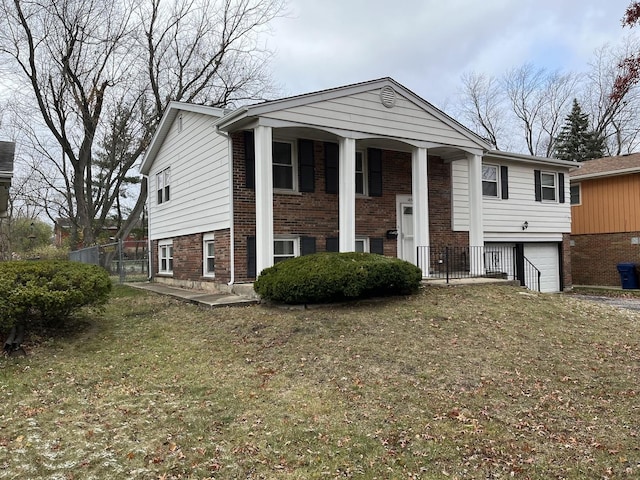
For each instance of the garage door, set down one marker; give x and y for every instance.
(544, 257)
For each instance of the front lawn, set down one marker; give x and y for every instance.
(456, 382)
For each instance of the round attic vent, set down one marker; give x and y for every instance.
(388, 96)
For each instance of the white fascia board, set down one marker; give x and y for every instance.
(517, 157)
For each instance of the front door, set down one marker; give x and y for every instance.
(408, 251)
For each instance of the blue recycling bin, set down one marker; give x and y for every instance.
(628, 275)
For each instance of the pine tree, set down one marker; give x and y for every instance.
(577, 141)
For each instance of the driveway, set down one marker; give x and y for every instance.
(630, 303)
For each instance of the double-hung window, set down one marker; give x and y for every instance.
(548, 185)
(163, 180)
(489, 180)
(209, 260)
(284, 166)
(361, 174)
(165, 257)
(285, 248)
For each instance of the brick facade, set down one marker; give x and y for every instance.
(317, 214)
(188, 261)
(595, 257)
(567, 272)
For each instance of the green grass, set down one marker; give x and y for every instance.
(456, 382)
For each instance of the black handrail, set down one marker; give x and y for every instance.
(467, 262)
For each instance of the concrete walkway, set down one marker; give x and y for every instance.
(199, 297)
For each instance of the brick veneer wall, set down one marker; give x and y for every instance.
(188, 258)
(316, 214)
(594, 257)
(567, 274)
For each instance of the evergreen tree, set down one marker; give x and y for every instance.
(577, 141)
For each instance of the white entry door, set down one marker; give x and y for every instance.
(408, 251)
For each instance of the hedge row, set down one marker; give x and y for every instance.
(330, 277)
(48, 290)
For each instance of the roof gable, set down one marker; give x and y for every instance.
(334, 103)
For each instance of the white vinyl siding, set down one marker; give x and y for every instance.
(546, 219)
(364, 112)
(200, 195)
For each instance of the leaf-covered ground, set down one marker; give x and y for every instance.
(456, 382)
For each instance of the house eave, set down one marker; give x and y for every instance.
(551, 162)
(612, 173)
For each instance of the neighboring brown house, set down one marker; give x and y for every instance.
(7, 151)
(605, 216)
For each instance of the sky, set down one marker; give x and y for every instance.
(427, 45)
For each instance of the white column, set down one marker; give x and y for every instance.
(264, 197)
(347, 194)
(476, 223)
(420, 196)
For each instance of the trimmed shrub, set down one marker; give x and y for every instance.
(48, 290)
(330, 277)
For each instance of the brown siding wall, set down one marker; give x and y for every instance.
(594, 257)
(608, 205)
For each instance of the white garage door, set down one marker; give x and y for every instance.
(544, 257)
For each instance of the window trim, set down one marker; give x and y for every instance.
(165, 246)
(296, 248)
(364, 172)
(163, 186)
(579, 187)
(207, 239)
(497, 181)
(549, 187)
(366, 246)
(294, 164)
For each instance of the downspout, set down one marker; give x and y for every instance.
(232, 257)
(149, 254)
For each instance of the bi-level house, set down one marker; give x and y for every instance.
(364, 167)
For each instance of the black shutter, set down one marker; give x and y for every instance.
(250, 159)
(332, 244)
(251, 257)
(307, 245)
(376, 245)
(306, 166)
(504, 182)
(561, 187)
(331, 167)
(374, 159)
(538, 183)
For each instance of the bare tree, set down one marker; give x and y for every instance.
(102, 74)
(616, 117)
(482, 106)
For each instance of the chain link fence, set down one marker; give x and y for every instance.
(126, 261)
